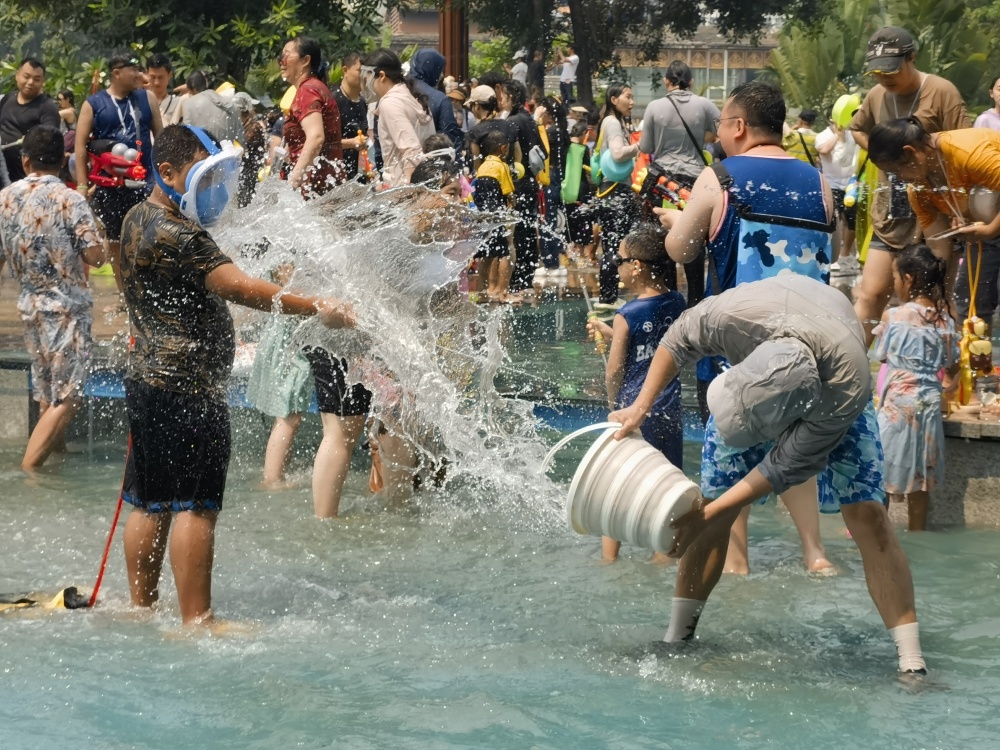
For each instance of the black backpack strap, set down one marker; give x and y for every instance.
(802, 140)
(725, 182)
(699, 149)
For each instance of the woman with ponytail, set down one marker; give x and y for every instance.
(618, 207)
(915, 340)
(312, 128)
(404, 119)
(949, 176)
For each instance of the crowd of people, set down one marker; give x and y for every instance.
(751, 208)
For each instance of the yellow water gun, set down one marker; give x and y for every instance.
(975, 357)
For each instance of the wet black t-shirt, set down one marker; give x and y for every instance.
(184, 338)
(17, 119)
(353, 117)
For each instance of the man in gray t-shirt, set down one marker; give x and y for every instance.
(798, 398)
(663, 135)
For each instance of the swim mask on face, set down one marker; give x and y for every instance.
(210, 184)
(368, 75)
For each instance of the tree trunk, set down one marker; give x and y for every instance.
(584, 82)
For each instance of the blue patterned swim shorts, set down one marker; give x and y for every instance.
(853, 472)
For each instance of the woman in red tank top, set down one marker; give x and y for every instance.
(312, 127)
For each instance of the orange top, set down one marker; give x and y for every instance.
(971, 160)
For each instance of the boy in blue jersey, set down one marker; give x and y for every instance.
(638, 327)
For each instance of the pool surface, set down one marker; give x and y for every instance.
(470, 620)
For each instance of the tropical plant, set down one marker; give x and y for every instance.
(814, 65)
(237, 40)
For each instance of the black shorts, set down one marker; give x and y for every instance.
(110, 206)
(333, 396)
(178, 450)
(850, 215)
(580, 223)
(495, 245)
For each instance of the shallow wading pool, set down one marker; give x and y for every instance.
(474, 624)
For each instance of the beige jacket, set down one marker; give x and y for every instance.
(403, 124)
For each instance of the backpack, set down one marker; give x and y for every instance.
(570, 192)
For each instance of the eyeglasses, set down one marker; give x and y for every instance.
(718, 120)
(617, 260)
(284, 56)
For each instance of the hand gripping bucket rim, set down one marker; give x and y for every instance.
(626, 489)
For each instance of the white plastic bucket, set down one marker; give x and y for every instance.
(627, 490)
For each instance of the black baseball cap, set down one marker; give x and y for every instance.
(887, 49)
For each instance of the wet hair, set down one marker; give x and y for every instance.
(159, 60)
(385, 60)
(887, 139)
(645, 243)
(493, 143)
(176, 145)
(559, 140)
(68, 96)
(44, 147)
(436, 142)
(929, 274)
(350, 59)
(492, 79)
(579, 129)
(436, 172)
(32, 62)
(615, 90)
(518, 94)
(555, 108)
(763, 105)
(306, 46)
(196, 82)
(678, 74)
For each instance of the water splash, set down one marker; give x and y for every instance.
(428, 355)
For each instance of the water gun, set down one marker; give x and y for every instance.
(364, 164)
(662, 191)
(975, 357)
(851, 193)
(601, 344)
(115, 165)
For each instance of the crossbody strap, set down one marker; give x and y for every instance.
(802, 140)
(699, 149)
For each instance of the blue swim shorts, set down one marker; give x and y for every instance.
(853, 472)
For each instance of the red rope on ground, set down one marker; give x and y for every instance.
(111, 533)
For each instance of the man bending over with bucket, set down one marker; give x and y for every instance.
(798, 398)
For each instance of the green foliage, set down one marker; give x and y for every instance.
(815, 64)
(489, 55)
(237, 40)
(600, 27)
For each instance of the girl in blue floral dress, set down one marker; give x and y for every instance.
(916, 340)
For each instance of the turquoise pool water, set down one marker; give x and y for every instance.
(475, 622)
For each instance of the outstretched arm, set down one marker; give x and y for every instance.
(233, 285)
(662, 370)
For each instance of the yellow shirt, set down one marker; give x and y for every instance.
(971, 159)
(496, 168)
(802, 145)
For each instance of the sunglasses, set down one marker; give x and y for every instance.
(617, 259)
(132, 62)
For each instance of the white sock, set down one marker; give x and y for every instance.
(684, 615)
(907, 638)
